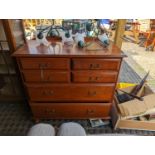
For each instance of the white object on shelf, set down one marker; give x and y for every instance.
(79, 37)
(65, 40)
(104, 38)
(43, 40)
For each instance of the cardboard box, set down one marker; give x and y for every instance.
(129, 122)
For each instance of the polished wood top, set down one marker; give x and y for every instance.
(57, 49)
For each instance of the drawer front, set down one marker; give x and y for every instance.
(45, 63)
(71, 110)
(69, 93)
(96, 64)
(94, 76)
(46, 76)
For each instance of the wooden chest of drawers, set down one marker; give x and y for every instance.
(69, 83)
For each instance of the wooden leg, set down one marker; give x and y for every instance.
(136, 35)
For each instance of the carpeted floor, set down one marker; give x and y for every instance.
(16, 118)
(127, 74)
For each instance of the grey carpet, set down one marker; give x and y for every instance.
(127, 74)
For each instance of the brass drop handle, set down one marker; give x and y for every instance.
(43, 77)
(94, 66)
(51, 92)
(91, 79)
(52, 111)
(48, 93)
(47, 79)
(90, 111)
(42, 74)
(91, 93)
(44, 93)
(91, 66)
(96, 78)
(97, 66)
(43, 65)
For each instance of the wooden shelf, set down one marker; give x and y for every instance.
(11, 98)
(4, 46)
(11, 89)
(4, 50)
(4, 71)
(8, 91)
(11, 37)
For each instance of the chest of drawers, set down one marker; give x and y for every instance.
(69, 83)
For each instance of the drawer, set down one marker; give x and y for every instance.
(71, 110)
(45, 63)
(94, 76)
(96, 64)
(46, 76)
(71, 92)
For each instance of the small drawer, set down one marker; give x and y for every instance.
(96, 64)
(71, 92)
(71, 110)
(46, 76)
(45, 63)
(94, 76)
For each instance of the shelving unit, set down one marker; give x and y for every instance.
(11, 38)
(4, 70)
(152, 25)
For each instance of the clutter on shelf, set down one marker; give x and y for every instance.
(71, 31)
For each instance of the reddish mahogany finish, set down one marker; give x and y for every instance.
(69, 82)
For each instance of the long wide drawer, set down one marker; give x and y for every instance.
(45, 63)
(71, 92)
(96, 64)
(94, 76)
(46, 76)
(71, 110)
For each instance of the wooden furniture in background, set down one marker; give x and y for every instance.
(120, 28)
(152, 24)
(150, 41)
(65, 82)
(11, 38)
